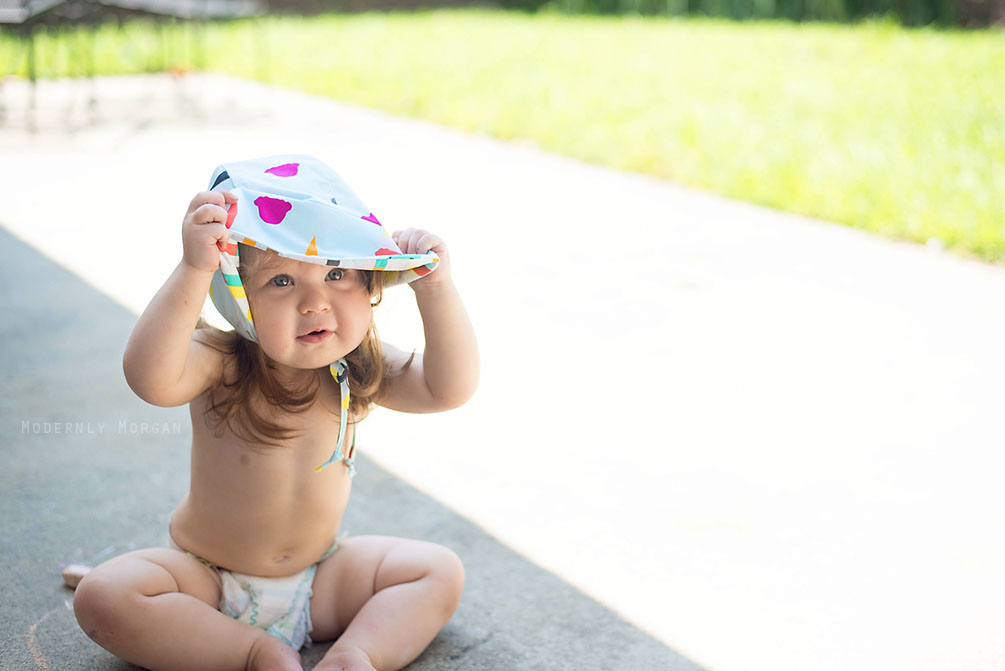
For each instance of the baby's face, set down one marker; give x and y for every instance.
(307, 315)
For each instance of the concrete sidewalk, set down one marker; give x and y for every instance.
(90, 471)
(768, 441)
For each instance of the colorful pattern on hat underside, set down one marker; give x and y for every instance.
(391, 263)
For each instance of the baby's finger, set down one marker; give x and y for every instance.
(217, 233)
(209, 213)
(401, 238)
(428, 242)
(410, 239)
(204, 197)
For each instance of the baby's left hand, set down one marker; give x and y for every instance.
(418, 241)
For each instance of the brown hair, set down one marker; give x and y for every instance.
(231, 402)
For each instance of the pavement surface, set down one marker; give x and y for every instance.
(764, 441)
(90, 471)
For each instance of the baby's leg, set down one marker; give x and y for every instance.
(157, 608)
(387, 597)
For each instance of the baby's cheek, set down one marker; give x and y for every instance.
(359, 322)
(271, 337)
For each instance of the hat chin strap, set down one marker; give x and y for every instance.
(340, 371)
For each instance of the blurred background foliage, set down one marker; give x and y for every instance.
(970, 13)
(907, 12)
(894, 130)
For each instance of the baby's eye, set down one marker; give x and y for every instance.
(280, 281)
(335, 274)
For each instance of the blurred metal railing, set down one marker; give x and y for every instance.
(25, 18)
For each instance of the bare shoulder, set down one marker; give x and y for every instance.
(405, 389)
(216, 346)
(397, 361)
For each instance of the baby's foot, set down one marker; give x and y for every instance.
(270, 654)
(74, 573)
(345, 658)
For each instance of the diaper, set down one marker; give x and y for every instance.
(280, 606)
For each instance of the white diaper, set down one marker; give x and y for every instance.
(280, 606)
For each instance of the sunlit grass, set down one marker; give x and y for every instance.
(896, 131)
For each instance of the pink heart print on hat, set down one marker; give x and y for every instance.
(272, 210)
(284, 170)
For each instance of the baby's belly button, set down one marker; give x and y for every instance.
(280, 556)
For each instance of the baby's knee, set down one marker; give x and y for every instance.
(448, 571)
(104, 600)
(94, 601)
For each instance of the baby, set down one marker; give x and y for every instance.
(295, 262)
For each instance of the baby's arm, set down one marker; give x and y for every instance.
(445, 375)
(163, 363)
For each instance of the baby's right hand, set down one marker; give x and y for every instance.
(204, 230)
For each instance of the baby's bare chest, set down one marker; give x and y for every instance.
(304, 441)
(250, 503)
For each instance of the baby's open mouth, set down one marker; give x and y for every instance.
(315, 336)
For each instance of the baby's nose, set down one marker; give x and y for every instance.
(314, 300)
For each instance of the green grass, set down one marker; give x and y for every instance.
(892, 130)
